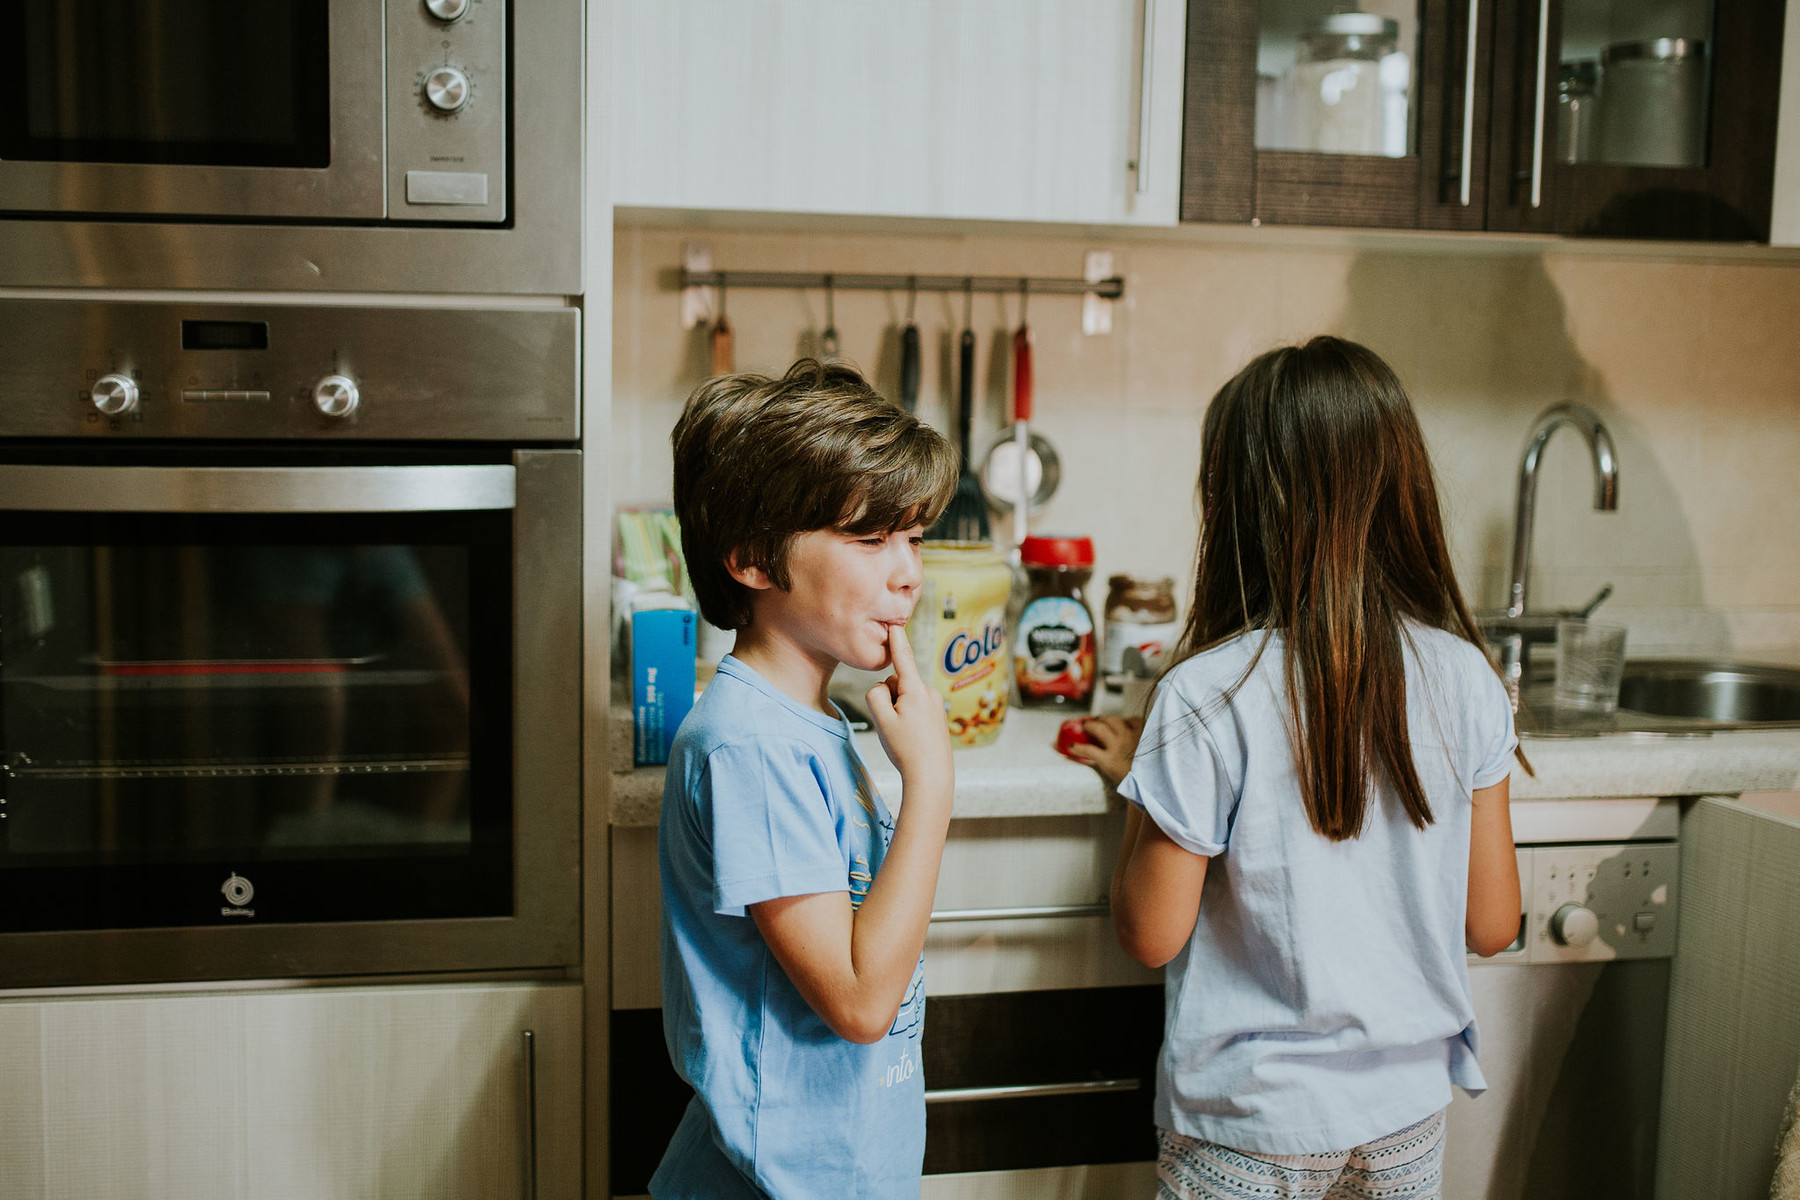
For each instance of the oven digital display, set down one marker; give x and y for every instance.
(200, 82)
(224, 335)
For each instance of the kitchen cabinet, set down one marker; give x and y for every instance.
(420, 1091)
(1577, 117)
(1733, 1048)
(1253, 108)
(1704, 172)
(1785, 225)
(1004, 992)
(1028, 110)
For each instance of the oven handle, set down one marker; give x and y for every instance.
(460, 488)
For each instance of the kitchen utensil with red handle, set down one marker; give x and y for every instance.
(1022, 385)
(721, 346)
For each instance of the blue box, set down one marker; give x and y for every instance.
(662, 679)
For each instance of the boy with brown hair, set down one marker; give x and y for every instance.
(794, 905)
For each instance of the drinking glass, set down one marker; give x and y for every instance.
(1590, 658)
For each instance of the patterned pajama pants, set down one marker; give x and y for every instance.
(1408, 1165)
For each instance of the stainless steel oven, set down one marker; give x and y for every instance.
(350, 110)
(287, 596)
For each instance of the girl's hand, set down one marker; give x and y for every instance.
(1115, 740)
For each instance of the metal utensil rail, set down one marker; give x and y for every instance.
(1110, 289)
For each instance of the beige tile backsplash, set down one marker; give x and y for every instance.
(1694, 366)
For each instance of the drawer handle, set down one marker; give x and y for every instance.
(945, 915)
(1031, 1091)
(531, 1122)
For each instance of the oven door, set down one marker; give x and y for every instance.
(209, 108)
(288, 720)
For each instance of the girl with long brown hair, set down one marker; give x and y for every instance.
(1318, 821)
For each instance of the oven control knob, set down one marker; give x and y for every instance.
(1574, 925)
(336, 395)
(114, 394)
(447, 89)
(447, 10)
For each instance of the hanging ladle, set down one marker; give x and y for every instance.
(1020, 461)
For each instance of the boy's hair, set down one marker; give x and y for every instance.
(759, 460)
(1320, 520)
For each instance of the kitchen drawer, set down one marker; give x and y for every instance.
(991, 863)
(1092, 1051)
(1106, 1039)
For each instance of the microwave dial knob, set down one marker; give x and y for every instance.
(114, 394)
(447, 10)
(447, 89)
(336, 395)
(1574, 925)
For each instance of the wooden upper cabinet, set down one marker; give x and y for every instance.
(1644, 120)
(1034, 110)
(1298, 113)
(1641, 119)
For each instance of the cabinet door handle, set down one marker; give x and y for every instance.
(531, 1172)
(1468, 146)
(946, 915)
(1141, 167)
(1086, 1087)
(1543, 81)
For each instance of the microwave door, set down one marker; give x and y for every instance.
(202, 108)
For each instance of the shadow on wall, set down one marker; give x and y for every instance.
(1483, 344)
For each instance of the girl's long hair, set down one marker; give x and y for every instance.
(1320, 521)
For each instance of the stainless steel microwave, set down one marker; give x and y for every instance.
(353, 111)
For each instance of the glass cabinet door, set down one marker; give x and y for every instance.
(1646, 119)
(1317, 112)
(211, 717)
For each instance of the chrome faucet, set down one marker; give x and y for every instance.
(1606, 484)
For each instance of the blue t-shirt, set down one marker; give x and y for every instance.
(766, 798)
(1323, 999)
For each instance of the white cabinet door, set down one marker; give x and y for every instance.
(1734, 1003)
(352, 1092)
(1001, 109)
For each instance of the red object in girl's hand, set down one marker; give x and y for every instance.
(1072, 732)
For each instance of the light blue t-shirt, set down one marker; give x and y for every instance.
(1323, 999)
(765, 798)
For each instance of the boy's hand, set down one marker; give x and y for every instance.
(909, 718)
(1115, 740)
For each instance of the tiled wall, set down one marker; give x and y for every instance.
(1693, 365)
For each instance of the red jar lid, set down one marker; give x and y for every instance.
(1056, 551)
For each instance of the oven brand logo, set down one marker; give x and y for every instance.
(238, 892)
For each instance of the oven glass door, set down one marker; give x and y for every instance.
(226, 717)
(201, 107)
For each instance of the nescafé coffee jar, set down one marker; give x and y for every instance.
(1053, 647)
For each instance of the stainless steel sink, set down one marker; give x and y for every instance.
(1738, 693)
(1676, 696)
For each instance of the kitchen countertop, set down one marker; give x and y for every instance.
(1021, 774)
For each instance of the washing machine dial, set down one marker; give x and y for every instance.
(447, 10)
(1574, 925)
